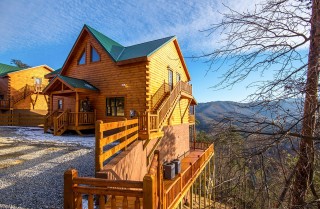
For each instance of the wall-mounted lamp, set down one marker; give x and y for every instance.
(124, 85)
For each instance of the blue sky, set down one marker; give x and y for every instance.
(43, 32)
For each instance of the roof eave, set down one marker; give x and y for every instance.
(134, 60)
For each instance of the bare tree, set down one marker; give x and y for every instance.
(282, 35)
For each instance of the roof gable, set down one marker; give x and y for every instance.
(124, 55)
(73, 83)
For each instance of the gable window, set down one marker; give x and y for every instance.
(115, 106)
(178, 77)
(95, 57)
(60, 104)
(82, 59)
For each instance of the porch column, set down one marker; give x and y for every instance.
(51, 103)
(77, 110)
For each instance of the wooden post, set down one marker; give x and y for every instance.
(204, 185)
(98, 148)
(148, 123)
(55, 125)
(191, 197)
(149, 192)
(69, 197)
(125, 129)
(77, 110)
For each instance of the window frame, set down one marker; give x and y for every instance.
(91, 54)
(58, 104)
(83, 53)
(178, 76)
(112, 111)
(170, 75)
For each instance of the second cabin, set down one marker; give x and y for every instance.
(104, 80)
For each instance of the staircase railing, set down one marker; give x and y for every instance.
(48, 120)
(149, 122)
(21, 94)
(60, 122)
(160, 93)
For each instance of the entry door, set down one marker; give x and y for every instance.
(170, 79)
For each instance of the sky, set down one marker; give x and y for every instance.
(43, 32)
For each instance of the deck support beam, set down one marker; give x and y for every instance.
(77, 110)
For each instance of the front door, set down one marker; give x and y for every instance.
(170, 79)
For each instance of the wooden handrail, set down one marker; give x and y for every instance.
(75, 187)
(160, 93)
(172, 193)
(60, 122)
(83, 118)
(4, 103)
(124, 137)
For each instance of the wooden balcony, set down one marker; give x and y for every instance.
(192, 119)
(151, 193)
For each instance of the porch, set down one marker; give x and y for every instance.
(70, 107)
(67, 120)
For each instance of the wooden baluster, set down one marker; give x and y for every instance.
(90, 202)
(79, 201)
(125, 202)
(102, 202)
(113, 202)
(137, 203)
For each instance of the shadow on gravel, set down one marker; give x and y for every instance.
(38, 183)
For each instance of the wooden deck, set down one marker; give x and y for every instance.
(186, 163)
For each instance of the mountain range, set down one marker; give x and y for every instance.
(211, 112)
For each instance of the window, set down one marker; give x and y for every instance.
(170, 79)
(60, 104)
(1, 97)
(82, 59)
(115, 106)
(95, 57)
(37, 84)
(178, 77)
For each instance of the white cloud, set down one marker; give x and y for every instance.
(37, 23)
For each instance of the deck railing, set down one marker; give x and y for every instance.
(4, 103)
(177, 188)
(192, 119)
(75, 187)
(84, 118)
(150, 122)
(149, 193)
(124, 133)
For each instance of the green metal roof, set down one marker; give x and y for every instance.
(55, 72)
(112, 47)
(121, 53)
(5, 69)
(143, 50)
(78, 83)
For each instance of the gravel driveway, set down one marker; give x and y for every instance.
(31, 171)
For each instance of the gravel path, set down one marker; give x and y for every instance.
(31, 172)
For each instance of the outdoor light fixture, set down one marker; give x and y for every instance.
(124, 85)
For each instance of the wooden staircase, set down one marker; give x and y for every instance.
(60, 123)
(151, 123)
(21, 94)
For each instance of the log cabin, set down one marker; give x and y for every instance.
(21, 89)
(103, 80)
(139, 101)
